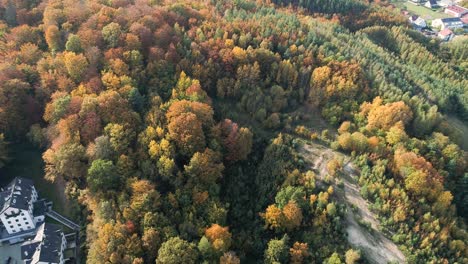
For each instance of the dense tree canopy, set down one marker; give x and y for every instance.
(175, 125)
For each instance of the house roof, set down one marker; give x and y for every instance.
(451, 20)
(419, 21)
(432, 2)
(416, 18)
(39, 208)
(457, 9)
(46, 246)
(445, 32)
(51, 244)
(28, 249)
(17, 194)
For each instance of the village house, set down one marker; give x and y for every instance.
(445, 3)
(450, 23)
(446, 34)
(417, 22)
(456, 11)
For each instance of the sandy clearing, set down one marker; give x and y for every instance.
(375, 246)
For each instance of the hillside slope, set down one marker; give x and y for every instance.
(377, 248)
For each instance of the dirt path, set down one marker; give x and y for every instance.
(375, 246)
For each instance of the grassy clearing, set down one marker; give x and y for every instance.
(27, 162)
(424, 12)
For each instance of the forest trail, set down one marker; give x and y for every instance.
(375, 246)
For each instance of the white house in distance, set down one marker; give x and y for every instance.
(46, 247)
(417, 21)
(456, 11)
(445, 3)
(18, 201)
(450, 23)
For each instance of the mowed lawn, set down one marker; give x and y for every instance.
(27, 162)
(424, 12)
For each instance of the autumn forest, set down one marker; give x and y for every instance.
(177, 129)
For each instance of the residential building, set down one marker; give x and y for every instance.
(47, 247)
(17, 203)
(431, 4)
(450, 23)
(456, 11)
(445, 3)
(446, 34)
(22, 216)
(417, 22)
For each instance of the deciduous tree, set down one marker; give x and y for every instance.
(4, 157)
(298, 253)
(177, 251)
(206, 167)
(111, 34)
(186, 130)
(76, 65)
(219, 237)
(102, 175)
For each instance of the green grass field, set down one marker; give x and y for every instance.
(27, 162)
(424, 12)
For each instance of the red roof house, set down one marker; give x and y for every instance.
(456, 11)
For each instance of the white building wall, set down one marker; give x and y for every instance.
(437, 23)
(34, 195)
(22, 222)
(64, 245)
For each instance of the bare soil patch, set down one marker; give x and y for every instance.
(376, 247)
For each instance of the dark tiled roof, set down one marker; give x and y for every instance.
(40, 208)
(433, 2)
(451, 19)
(51, 243)
(28, 249)
(3, 196)
(47, 243)
(18, 194)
